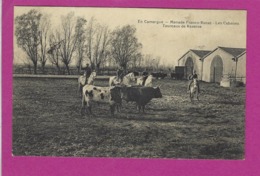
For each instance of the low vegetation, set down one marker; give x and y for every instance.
(47, 122)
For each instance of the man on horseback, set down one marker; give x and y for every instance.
(145, 76)
(120, 75)
(87, 72)
(191, 78)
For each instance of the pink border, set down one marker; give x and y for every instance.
(25, 166)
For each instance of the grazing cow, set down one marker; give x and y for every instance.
(140, 95)
(101, 95)
(145, 81)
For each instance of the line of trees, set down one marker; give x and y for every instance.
(78, 40)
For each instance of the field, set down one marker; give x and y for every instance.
(47, 122)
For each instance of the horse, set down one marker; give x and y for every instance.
(82, 80)
(194, 90)
(127, 79)
(147, 83)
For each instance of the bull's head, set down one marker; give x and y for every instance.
(115, 93)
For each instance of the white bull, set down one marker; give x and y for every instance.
(101, 95)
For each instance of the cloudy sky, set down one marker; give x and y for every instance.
(167, 33)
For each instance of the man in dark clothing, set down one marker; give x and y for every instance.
(145, 76)
(87, 72)
(191, 77)
(120, 75)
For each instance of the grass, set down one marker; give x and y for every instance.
(47, 122)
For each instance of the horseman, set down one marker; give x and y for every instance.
(191, 78)
(87, 72)
(145, 76)
(120, 75)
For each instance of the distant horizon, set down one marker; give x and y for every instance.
(160, 30)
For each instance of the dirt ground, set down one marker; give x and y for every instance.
(47, 122)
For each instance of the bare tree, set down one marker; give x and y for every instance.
(54, 51)
(151, 62)
(90, 36)
(136, 61)
(101, 46)
(124, 45)
(27, 32)
(44, 32)
(97, 43)
(67, 35)
(80, 32)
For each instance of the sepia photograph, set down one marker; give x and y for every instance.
(129, 82)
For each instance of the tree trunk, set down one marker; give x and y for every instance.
(125, 68)
(58, 69)
(67, 68)
(78, 67)
(35, 68)
(43, 68)
(97, 68)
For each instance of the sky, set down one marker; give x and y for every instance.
(165, 33)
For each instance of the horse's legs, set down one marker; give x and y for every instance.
(80, 89)
(83, 105)
(139, 108)
(82, 109)
(143, 107)
(191, 96)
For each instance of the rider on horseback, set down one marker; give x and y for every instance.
(87, 72)
(145, 76)
(191, 77)
(120, 75)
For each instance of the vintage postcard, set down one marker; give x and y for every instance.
(120, 88)
(132, 83)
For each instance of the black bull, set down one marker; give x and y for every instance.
(140, 95)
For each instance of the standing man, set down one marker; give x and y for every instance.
(87, 72)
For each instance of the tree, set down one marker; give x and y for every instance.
(27, 32)
(69, 39)
(101, 46)
(151, 62)
(124, 45)
(54, 51)
(80, 33)
(97, 43)
(90, 36)
(136, 61)
(43, 37)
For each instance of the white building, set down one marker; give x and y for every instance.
(224, 61)
(211, 66)
(192, 60)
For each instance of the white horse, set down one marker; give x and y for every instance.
(127, 79)
(148, 81)
(194, 91)
(82, 81)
